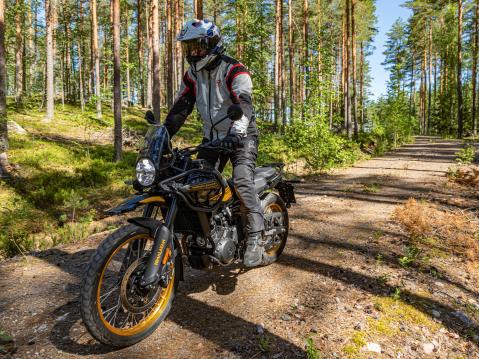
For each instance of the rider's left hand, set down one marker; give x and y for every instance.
(230, 142)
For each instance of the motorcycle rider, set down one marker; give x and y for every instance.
(214, 82)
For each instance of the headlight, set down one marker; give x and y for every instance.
(145, 172)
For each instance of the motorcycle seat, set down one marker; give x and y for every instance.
(261, 177)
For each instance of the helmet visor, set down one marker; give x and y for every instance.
(195, 49)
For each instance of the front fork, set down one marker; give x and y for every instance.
(163, 239)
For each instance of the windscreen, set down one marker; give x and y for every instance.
(157, 147)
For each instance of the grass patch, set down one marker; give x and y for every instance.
(311, 351)
(393, 313)
(371, 188)
(438, 229)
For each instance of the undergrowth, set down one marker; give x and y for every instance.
(440, 229)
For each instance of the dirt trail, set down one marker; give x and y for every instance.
(333, 283)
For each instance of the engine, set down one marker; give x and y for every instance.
(225, 238)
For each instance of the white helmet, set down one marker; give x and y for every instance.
(201, 42)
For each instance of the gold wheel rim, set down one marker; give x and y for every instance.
(272, 208)
(157, 309)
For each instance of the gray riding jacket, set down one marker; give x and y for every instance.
(213, 90)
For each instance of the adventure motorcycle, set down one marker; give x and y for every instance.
(191, 216)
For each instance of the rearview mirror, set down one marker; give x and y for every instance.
(235, 112)
(150, 117)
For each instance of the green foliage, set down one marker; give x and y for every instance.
(392, 125)
(318, 146)
(264, 343)
(466, 155)
(411, 256)
(311, 351)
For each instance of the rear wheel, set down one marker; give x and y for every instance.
(276, 227)
(116, 310)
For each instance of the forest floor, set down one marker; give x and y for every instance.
(351, 282)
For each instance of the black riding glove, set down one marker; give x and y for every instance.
(230, 142)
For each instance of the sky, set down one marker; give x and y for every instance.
(387, 11)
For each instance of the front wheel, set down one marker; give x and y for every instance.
(116, 310)
(276, 227)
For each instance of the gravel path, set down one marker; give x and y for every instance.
(333, 284)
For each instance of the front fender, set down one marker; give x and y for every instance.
(134, 202)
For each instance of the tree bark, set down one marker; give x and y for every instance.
(291, 61)
(96, 57)
(460, 119)
(18, 52)
(80, 55)
(127, 56)
(156, 59)
(474, 69)
(3, 100)
(320, 64)
(141, 51)
(150, 57)
(198, 9)
(169, 56)
(117, 79)
(277, 64)
(50, 89)
(305, 72)
(354, 63)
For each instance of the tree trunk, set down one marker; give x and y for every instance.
(305, 72)
(50, 89)
(198, 9)
(474, 70)
(156, 59)
(3, 100)
(346, 52)
(277, 65)
(169, 56)
(354, 77)
(291, 61)
(117, 78)
(150, 57)
(96, 57)
(127, 56)
(320, 45)
(141, 51)
(460, 124)
(361, 87)
(80, 55)
(18, 52)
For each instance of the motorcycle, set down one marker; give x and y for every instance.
(191, 216)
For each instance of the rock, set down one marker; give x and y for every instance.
(373, 348)
(16, 128)
(313, 329)
(439, 284)
(475, 338)
(41, 328)
(428, 348)
(436, 313)
(337, 300)
(286, 317)
(31, 341)
(359, 326)
(463, 318)
(61, 318)
(260, 329)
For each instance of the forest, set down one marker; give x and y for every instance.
(309, 61)
(70, 67)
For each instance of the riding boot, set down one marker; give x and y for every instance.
(254, 251)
